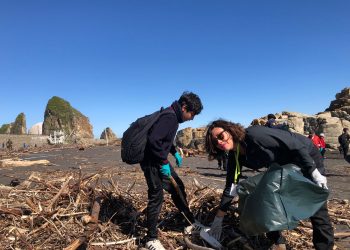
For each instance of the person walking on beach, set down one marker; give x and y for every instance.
(158, 172)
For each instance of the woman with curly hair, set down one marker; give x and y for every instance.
(257, 147)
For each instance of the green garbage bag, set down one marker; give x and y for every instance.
(277, 200)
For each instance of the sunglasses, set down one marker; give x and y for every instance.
(220, 136)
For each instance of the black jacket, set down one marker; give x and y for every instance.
(265, 146)
(161, 136)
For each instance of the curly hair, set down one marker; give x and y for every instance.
(192, 102)
(236, 130)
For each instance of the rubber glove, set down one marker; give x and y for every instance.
(319, 179)
(216, 227)
(165, 170)
(178, 159)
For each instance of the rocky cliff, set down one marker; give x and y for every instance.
(5, 129)
(19, 127)
(60, 115)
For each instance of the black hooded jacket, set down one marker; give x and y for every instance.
(161, 136)
(264, 146)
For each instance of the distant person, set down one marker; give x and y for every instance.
(158, 172)
(222, 160)
(322, 145)
(315, 139)
(271, 123)
(9, 145)
(343, 140)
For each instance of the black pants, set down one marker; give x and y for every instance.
(323, 235)
(156, 182)
(345, 150)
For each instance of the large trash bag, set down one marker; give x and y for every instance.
(277, 200)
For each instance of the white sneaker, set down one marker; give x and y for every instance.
(154, 245)
(194, 228)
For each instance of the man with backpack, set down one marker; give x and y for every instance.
(343, 140)
(158, 172)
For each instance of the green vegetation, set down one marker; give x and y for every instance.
(18, 124)
(62, 110)
(5, 128)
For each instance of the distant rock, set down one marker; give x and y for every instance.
(191, 138)
(60, 115)
(36, 129)
(5, 128)
(19, 127)
(108, 134)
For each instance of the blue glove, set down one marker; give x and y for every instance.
(178, 159)
(165, 170)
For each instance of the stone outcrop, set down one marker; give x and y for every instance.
(36, 129)
(19, 127)
(60, 115)
(191, 138)
(5, 128)
(108, 134)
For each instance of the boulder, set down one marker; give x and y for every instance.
(61, 116)
(107, 133)
(184, 137)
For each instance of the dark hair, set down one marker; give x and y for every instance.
(192, 101)
(345, 129)
(271, 116)
(236, 130)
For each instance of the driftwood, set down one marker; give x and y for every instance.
(67, 210)
(91, 226)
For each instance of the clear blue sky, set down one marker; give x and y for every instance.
(117, 60)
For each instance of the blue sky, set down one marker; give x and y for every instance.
(117, 60)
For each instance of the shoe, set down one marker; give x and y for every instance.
(154, 245)
(278, 247)
(194, 228)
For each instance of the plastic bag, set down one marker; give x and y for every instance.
(277, 200)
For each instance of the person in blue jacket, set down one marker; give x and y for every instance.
(156, 167)
(257, 147)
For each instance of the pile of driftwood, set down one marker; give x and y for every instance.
(61, 210)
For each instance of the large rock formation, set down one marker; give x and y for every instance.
(191, 138)
(5, 128)
(108, 134)
(36, 129)
(330, 122)
(60, 115)
(19, 127)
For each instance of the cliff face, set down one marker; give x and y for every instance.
(19, 127)
(5, 129)
(60, 115)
